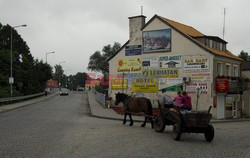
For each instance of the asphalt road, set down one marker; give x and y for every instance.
(62, 127)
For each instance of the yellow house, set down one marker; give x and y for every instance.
(165, 54)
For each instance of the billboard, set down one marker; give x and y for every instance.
(157, 40)
(196, 64)
(133, 50)
(129, 65)
(145, 85)
(170, 61)
(149, 62)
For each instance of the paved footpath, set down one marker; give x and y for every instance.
(98, 111)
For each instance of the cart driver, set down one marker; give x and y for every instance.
(166, 100)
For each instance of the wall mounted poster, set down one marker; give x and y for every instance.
(196, 64)
(171, 61)
(157, 40)
(129, 65)
(149, 62)
(145, 85)
(133, 50)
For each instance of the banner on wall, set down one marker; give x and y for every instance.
(157, 40)
(196, 64)
(145, 85)
(133, 50)
(193, 86)
(163, 73)
(173, 61)
(170, 84)
(200, 76)
(119, 84)
(150, 63)
(129, 65)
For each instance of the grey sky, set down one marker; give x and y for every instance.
(75, 29)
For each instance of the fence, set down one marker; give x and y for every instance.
(101, 98)
(15, 99)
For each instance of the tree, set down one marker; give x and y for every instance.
(244, 55)
(98, 61)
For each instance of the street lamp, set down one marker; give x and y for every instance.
(60, 74)
(11, 79)
(47, 54)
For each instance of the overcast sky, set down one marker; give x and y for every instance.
(75, 29)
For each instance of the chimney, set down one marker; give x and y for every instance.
(135, 24)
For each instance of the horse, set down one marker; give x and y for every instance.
(135, 105)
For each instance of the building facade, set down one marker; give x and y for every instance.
(164, 54)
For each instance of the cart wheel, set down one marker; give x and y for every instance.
(209, 133)
(177, 131)
(159, 124)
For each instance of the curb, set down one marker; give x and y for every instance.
(22, 106)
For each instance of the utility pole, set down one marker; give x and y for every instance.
(224, 23)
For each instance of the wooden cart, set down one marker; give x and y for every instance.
(185, 122)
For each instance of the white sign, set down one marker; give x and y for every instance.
(200, 76)
(196, 64)
(11, 80)
(193, 86)
(173, 61)
(168, 82)
(149, 62)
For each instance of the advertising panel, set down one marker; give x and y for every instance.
(133, 50)
(173, 61)
(129, 65)
(163, 73)
(221, 85)
(170, 84)
(145, 85)
(157, 40)
(119, 84)
(200, 76)
(149, 62)
(193, 86)
(196, 64)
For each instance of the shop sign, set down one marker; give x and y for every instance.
(119, 84)
(170, 84)
(192, 87)
(196, 64)
(221, 85)
(150, 63)
(133, 50)
(163, 73)
(145, 85)
(170, 61)
(129, 65)
(200, 76)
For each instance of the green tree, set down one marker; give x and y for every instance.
(244, 55)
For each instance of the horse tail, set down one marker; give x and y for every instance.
(150, 109)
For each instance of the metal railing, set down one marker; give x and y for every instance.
(20, 98)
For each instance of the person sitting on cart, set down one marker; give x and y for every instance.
(186, 101)
(166, 99)
(178, 100)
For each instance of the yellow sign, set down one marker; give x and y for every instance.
(131, 65)
(163, 73)
(117, 84)
(145, 85)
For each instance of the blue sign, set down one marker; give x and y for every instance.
(133, 50)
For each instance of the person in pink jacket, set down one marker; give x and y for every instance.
(178, 99)
(186, 101)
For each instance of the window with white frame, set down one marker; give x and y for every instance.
(228, 69)
(219, 69)
(236, 71)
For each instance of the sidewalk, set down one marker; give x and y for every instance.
(98, 111)
(5, 108)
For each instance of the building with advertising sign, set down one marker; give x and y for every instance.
(175, 56)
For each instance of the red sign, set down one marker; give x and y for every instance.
(221, 85)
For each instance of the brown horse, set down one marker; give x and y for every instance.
(135, 105)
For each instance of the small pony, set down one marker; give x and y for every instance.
(135, 105)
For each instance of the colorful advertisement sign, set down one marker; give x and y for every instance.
(172, 61)
(196, 64)
(119, 84)
(192, 87)
(170, 84)
(221, 85)
(129, 65)
(200, 76)
(150, 63)
(166, 73)
(157, 40)
(145, 85)
(133, 50)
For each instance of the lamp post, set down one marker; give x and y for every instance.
(11, 79)
(47, 54)
(60, 75)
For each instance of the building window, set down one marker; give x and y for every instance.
(221, 46)
(219, 69)
(210, 43)
(228, 70)
(235, 71)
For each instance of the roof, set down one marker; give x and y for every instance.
(226, 53)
